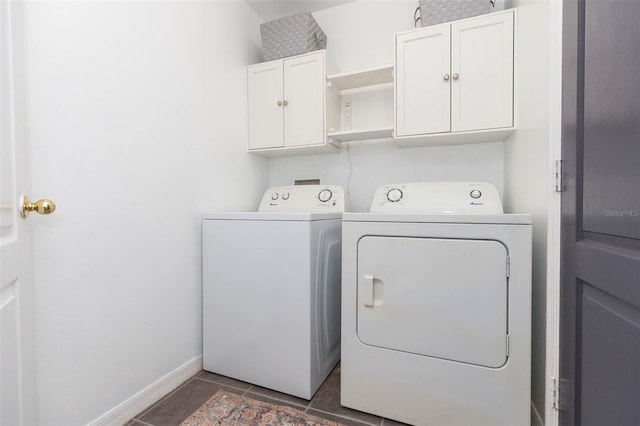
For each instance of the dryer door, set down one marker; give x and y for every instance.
(443, 298)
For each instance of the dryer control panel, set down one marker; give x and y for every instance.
(303, 198)
(437, 198)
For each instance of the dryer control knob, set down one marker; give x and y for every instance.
(325, 195)
(274, 196)
(394, 195)
(475, 194)
(285, 196)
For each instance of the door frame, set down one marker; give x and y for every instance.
(552, 362)
(17, 242)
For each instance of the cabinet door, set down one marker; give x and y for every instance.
(482, 73)
(265, 116)
(304, 86)
(423, 81)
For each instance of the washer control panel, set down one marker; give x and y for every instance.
(303, 198)
(437, 198)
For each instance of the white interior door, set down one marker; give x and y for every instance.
(17, 395)
(423, 81)
(482, 73)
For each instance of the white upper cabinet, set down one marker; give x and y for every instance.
(287, 106)
(454, 81)
(423, 92)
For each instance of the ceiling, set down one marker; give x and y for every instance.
(274, 9)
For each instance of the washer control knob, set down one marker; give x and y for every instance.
(274, 196)
(325, 195)
(394, 195)
(475, 194)
(285, 196)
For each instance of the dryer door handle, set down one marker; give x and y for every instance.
(367, 290)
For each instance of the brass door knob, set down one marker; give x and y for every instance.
(40, 206)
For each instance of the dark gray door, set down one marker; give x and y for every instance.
(600, 287)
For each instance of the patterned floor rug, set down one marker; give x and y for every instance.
(229, 409)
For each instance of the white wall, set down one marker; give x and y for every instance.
(360, 36)
(135, 115)
(363, 167)
(527, 183)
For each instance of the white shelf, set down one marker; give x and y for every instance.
(455, 138)
(354, 80)
(290, 151)
(362, 134)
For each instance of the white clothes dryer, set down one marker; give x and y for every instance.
(271, 289)
(436, 307)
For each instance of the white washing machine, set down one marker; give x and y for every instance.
(436, 307)
(271, 289)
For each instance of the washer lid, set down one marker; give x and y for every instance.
(272, 216)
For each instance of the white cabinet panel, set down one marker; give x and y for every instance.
(264, 105)
(422, 82)
(482, 70)
(304, 87)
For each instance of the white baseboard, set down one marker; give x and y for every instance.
(126, 410)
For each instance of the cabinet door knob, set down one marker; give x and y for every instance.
(286, 103)
(455, 76)
(446, 77)
(279, 103)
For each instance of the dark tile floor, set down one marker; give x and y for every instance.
(178, 405)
